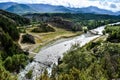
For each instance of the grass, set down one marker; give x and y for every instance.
(57, 34)
(52, 36)
(101, 38)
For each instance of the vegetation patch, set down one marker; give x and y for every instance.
(72, 21)
(44, 27)
(12, 57)
(29, 74)
(114, 33)
(28, 39)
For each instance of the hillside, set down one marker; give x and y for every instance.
(73, 21)
(10, 21)
(12, 57)
(19, 20)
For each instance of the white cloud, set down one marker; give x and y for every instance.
(104, 4)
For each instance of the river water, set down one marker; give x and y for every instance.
(50, 54)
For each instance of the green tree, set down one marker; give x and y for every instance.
(44, 76)
(8, 63)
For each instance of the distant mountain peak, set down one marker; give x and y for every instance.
(20, 8)
(6, 5)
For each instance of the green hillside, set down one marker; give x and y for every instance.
(19, 20)
(73, 21)
(12, 57)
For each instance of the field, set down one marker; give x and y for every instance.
(42, 39)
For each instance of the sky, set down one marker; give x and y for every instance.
(113, 5)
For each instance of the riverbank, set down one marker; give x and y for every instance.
(52, 40)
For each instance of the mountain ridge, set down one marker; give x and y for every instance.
(47, 8)
(20, 8)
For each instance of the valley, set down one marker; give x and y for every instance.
(47, 57)
(54, 42)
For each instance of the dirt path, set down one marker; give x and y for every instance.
(20, 39)
(28, 47)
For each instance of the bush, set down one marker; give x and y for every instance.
(114, 33)
(28, 39)
(29, 74)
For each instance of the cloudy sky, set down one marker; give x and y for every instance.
(113, 5)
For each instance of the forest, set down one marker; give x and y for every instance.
(114, 32)
(72, 21)
(12, 57)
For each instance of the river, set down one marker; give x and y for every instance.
(49, 54)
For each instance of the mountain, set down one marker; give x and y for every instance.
(117, 13)
(95, 10)
(46, 8)
(20, 8)
(37, 8)
(6, 5)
